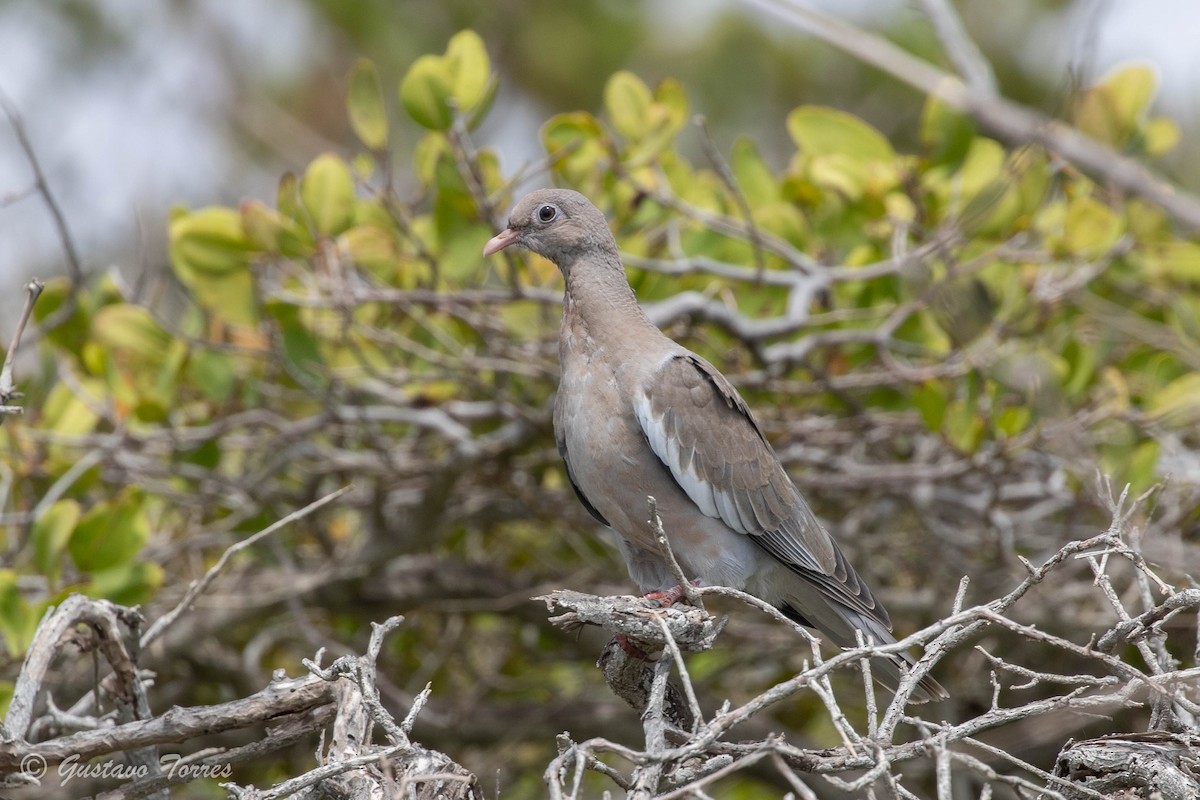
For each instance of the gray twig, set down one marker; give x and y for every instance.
(8, 389)
(197, 588)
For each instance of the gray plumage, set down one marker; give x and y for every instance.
(638, 414)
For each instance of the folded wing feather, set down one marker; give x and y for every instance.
(704, 434)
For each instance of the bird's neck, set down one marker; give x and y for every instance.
(601, 307)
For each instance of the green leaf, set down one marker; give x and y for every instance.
(65, 414)
(930, 400)
(364, 104)
(1012, 420)
(124, 326)
(371, 247)
(72, 332)
(1174, 260)
(669, 94)
(209, 241)
(983, 166)
(1143, 466)
(213, 373)
(1111, 110)
(18, 621)
(575, 144)
(272, 232)
(112, 533)
(946, 133)
(753, 176)
(300, 348)
(327, 191)
(467, 65)
(1131, 88)
(1178, 403)
(628, 102)
(50, 535)
(821, 131)
(1081, 362)
(210, 256)
(1160, 135)
(287, 197)
(1090, 228)
(963, 427)
(126, 584)
(425, 93)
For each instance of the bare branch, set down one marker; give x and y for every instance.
(8, 389)
(197, 587)
(963, 53)
(74, 265)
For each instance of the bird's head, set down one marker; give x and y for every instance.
(558, 224)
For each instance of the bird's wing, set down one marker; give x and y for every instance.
(562, 451)
(704, 434)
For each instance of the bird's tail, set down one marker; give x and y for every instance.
(887, 670)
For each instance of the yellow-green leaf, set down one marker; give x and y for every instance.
(213, 373)
(753, 176)
(1131, 89)
(628, 101)
(468, 68)
(370, 246)
(287, 197)
(425, 93)
(1175, 260)
(65, 414)
(50, 535)
(127, 584)
(125, 326)
(1012, 420)
(1178, 403)
(575, 144)
(1110, 110)
(1143, 466)
(210, 241)
(945, 132)
(327, 191)
(268, 230)
(670, 95)
(1161, 136)
(364, 104)
(1090, 228)
(930, 400)
(210, 255)
(18, 620)
(818, 131)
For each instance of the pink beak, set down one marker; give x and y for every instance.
(500, 241)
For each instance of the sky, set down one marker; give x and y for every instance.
(122, 138)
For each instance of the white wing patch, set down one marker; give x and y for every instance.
(667, 449)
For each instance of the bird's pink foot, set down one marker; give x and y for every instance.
(670, 596)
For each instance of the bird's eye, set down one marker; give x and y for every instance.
(547, 213)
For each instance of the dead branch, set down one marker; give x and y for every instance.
(282, 698)
(8, 389)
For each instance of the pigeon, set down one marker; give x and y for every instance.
(637, 414)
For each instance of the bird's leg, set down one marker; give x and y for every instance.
(669, 597)
(631, 649)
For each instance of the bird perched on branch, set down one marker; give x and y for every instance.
(638, 415)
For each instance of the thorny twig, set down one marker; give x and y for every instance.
(8, 389)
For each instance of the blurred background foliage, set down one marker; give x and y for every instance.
(945, 337)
